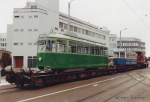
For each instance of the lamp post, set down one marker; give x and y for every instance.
(121, 41)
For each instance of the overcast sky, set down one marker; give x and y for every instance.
(114, 14)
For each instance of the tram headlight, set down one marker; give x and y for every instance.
(40, 59)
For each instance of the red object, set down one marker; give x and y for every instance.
(18, 61)
(141, 58)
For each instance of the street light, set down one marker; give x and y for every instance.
(121, 41)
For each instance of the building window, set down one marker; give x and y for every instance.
(60, 25)
(22, 30)
(65, 26)
(21, 43)
(86, 32)
(32, 61)
(29, 30)
(33, 6)
(71, 28)
(2, 45)
(75, 29)
(79, 30)
(22, 16)
(16, 43)
(35, 43)
(30, 43)
(16, 16)
(35, 16)
(16, 30)
(35, 30)
(83, 31)
(30, 16)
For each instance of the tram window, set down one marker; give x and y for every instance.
(33, 6)
(83, 50)
(41, 45)
(79, 30)
(75, 29)
(86, 32)
(97, 51)
(42, 42)
(86, 50)
(92, 51)
(49, 45)
(78, 49)
(60, 24)
(71, 28)
(83, 31)
(65, 26)
(60, 47)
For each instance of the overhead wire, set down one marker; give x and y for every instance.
(135, 13)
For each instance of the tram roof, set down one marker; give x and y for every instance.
(67, 37)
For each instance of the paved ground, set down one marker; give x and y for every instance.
(131, 86)
(3, 81)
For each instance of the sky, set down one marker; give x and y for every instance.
(113, 14)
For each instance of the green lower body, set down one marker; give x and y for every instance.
(64, 61)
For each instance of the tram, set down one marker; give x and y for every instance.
(60, 52)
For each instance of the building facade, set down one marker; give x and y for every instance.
(112, 45)
(129, 46)
(3, 41)
(43, 17)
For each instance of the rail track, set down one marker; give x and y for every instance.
(8, 90)
(115, 86)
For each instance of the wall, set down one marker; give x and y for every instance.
(28, 23)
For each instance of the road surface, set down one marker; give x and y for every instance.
(133, 86)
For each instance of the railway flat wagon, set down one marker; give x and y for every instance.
(62, 58)
(124, 61)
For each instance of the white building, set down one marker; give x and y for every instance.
(112, 45)
(43, 17)
(129, 46)
(3, 42)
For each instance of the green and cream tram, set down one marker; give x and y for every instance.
(62, 52)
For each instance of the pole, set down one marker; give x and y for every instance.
(120, 45)
(69, 7)
(121, 42)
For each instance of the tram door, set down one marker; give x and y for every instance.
(18, 61)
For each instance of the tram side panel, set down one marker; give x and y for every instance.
(64, 61)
